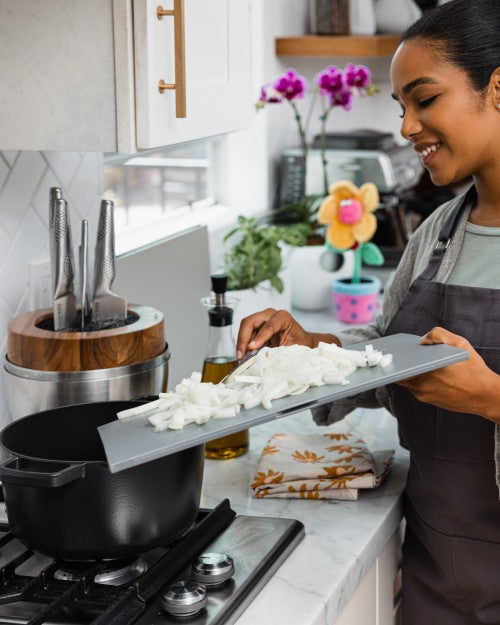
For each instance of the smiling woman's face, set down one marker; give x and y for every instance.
(448, 121)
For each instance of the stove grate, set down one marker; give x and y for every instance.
(110, 605)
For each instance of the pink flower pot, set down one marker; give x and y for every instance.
(356, 303)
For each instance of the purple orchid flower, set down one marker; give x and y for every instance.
(342, 98)
(269, 95)
(291, 85)
(357, 76)
(330, 80)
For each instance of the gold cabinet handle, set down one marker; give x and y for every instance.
(180, 64)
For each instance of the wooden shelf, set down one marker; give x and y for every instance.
(337, 45)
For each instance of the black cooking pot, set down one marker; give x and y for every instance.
(63, 501)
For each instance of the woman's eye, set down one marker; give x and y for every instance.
(402, 113)
(424, 103)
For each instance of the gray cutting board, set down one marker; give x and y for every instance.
(133, 441)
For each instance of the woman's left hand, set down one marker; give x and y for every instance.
(468, 386)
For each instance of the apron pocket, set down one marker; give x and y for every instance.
(463, 437)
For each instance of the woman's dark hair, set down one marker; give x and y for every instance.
(467, 33)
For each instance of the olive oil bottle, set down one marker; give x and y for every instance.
(219, 361)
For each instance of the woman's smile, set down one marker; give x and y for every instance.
(427, 152)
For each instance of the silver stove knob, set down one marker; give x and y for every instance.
(184, 599)
(213, 569)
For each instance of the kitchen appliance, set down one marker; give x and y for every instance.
(57, 469)
(233, 557)
(360, 156)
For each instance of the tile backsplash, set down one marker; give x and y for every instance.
(25, 179)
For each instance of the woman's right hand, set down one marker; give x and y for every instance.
(277, 327)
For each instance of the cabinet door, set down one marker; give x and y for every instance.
(361, 609)
(217, 70)
(387, 577)
(57, 78)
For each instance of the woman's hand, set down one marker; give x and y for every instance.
(468, 386)
(277, 327)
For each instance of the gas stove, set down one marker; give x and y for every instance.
(207, 577)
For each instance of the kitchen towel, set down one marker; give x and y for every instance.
(319, 466)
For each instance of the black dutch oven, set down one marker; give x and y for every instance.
(62, 500)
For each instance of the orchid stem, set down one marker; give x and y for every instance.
(323, 118)
(303, 143)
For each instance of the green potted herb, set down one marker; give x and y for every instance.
(254, 263)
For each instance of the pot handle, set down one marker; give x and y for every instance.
(25, 472)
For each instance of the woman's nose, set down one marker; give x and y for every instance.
(410, 126)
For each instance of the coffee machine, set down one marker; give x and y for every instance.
(361, 156)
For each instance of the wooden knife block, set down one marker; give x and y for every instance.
(30, 346)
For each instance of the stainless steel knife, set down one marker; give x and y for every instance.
(64, 297)
(106, 305)
(84, 292)
(55, 193)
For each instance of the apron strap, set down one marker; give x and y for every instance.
(446, 234)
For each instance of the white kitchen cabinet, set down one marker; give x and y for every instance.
(84, 75)
(376, 600)
(361, 609)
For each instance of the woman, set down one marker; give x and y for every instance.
(446, 78)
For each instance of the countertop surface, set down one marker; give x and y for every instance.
(342, 538)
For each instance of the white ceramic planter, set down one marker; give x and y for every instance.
(312, 273)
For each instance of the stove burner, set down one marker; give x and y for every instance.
(184, 599)
(213, 569)
(114, 573)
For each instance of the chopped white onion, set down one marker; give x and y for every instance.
(271, 374)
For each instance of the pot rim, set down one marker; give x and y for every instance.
(14, 454)
(88, 374)
(344, 286)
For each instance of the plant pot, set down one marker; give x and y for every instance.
(262, 296)
(312, 269)
(356, 302)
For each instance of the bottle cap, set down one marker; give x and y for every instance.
(219, 282)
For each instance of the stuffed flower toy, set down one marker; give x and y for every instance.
(348, 213)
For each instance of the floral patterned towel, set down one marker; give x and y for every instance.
(318, 466)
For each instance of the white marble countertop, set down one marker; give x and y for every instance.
(343, 538)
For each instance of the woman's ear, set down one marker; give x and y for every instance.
(495, 87)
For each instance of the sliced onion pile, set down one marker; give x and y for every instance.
(274, 372)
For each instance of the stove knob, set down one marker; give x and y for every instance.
(213, 569)
(184, 598)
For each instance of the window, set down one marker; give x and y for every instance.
(157, 185)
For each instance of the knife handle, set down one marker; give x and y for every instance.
(104, 255)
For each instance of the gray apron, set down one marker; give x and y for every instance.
(451, 555)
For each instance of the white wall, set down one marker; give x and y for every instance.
(25, 179)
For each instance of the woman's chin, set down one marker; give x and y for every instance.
(441, 178)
